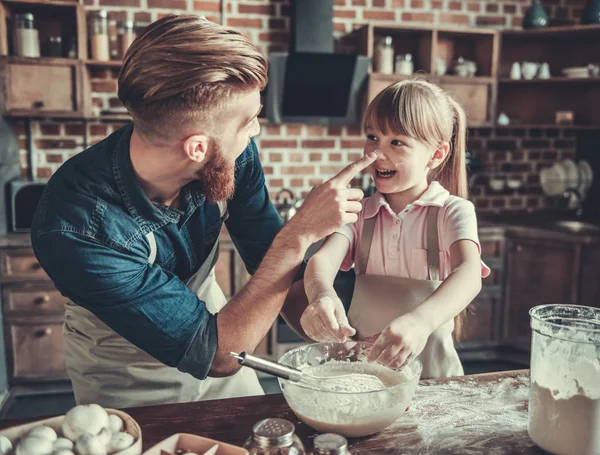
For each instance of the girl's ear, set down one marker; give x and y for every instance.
(439, 156)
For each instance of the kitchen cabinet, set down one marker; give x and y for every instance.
(538, 272)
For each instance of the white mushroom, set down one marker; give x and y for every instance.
(62, 444)
(89, 444)
(90, 418)
(115, 424)
(105, 436)
(63, 452)
(120, 441)
(43, 432)
(33, 445)
(5, 445)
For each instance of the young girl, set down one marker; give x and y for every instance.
(414, 246)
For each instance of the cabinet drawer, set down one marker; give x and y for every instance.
(21, 265)
(33, 300)
(36, 351)
(45, 88)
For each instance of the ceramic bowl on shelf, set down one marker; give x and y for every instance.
(350, 414)
(576, 72)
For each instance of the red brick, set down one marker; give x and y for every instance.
(278, 143)
(417, 17)
(98, 130)
(354, 130)
(275, 157)
(23, 144)
(353, 144)
(49, 144)
(295, 157)
(268, 170)
(474, 7)
(455, 6)
(88, 2)
(334, 130)
(417, 4)
(116, 16)
(142, 16)
(44, 172)
(339, 2)
(244, 22)
(354, 156)
(297, 170)
(335, 157)
(482, 203)
(379, 3)
(167, 4)
(492, 8)
(462, 19)
(498, 203)
(294, 130)
(122, 3)
(277, 48)
(273, 129)
(274, 36)
(213, 19)
(115, 102)
(339, 27)
(344, 13)
(74, 130)
(437, 4)
(509, 9)
(207, 6)
(277, 183)
(327, 170)
(245, 8)
(490, 20)
(516, 21)
(54, 158)
(516, 202)
(318, 144)
(277, 24)
(359, 2)
(315, 157)
(315, 130)
(49, 129)
(379, 15)
(398, 3)
(314, 182)
(297, 183)
(108, 86)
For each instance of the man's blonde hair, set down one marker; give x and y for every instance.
(184, 69)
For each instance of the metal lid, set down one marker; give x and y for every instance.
(25, 16)
(102, 14)
(388, 40)
(330, 443)
(127, 25)
(273, 433)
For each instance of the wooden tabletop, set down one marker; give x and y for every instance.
(477, 414)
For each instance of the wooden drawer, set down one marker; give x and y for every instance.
(36, 351)
(33, 299)
(21, 265)
(42, 87)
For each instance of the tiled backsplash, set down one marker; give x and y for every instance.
(299, 156)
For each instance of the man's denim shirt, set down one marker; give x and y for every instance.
(89, 234)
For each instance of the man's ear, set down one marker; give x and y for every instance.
(196, 147)
(439, 156)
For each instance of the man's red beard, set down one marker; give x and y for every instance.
(217, 177)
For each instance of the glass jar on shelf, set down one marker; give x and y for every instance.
(26, 36)
(99, 41)
(384, 56)
(125, 36)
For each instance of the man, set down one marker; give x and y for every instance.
(128, 229)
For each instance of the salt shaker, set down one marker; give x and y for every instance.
(384, 56)
(26, 38)
(274, 437)
(330, 444)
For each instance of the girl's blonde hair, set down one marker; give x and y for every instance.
(422, 110)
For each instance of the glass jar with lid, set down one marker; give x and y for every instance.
(98, 30)
(274, 437)
(125, 36)
(26, 36)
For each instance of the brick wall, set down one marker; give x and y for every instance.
(299, 156)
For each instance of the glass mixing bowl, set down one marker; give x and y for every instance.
(351, 414)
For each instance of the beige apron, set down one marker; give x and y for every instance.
(107, 369)
(378, 300)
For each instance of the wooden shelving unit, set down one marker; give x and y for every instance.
(103, 64)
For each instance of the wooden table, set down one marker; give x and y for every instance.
(479, 414)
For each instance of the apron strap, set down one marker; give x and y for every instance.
(153, 248)
(433, 243)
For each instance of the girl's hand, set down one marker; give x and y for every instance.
(400, 342)
(325, 320)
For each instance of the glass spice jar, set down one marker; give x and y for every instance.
(274, 437)
(330, 444)
(125, 36)
(26, 36)
(99, 42)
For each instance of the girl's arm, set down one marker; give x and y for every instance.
(406, 336)
(325, 317)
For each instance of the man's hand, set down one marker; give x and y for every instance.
(332, 204)
(325, 319)
(400, 342)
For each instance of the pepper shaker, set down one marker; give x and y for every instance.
(274, 437)
(330, 444)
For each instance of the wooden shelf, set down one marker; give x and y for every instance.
(43, 60)
(42, 2)
(552, 32)
(450, 79)
(104, 64)
(552, 80)
(522, 126)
